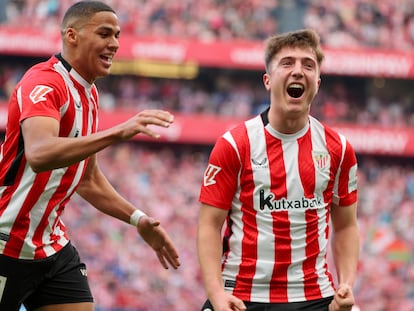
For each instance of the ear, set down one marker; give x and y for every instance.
(71, 35)
(266, 81)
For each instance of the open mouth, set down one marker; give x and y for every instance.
(107, 59)
(295, 90)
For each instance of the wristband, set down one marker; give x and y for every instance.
(135, 216)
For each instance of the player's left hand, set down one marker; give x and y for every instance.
(343, 299)
(156, 237)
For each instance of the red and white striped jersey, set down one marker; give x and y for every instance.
(278, 190)
(31, 204)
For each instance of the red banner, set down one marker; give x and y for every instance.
(205, 129)
(229, 54)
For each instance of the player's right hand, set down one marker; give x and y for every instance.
(227, 302)
(157, 238)
(343, 299)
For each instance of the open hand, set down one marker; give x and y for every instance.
(156, 237)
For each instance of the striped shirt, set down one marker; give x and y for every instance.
(31, 204)
(278, 189)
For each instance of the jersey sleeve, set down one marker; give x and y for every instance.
(345, 192)
(221, 176)
(43, 96)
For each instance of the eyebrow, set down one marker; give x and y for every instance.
(109, 29)
(301, 58)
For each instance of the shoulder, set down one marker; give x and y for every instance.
(45, 72)
(238, 140)
(43, 78)
(241, 131)
(336, 143)
(327, 131)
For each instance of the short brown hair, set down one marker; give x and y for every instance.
(303, 38)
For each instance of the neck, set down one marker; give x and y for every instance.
(287, 124)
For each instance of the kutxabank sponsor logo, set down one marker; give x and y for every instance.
(269, 203)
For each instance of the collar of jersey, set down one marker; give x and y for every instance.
(287, 137)
(73, 72)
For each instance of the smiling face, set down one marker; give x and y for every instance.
(90, 46)
(293, 79)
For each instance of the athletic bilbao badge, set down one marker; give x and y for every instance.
(322, 160)
(210, 174)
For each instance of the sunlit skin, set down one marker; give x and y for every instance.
(90, 47)
(291, 66)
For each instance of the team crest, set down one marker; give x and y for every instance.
(322, 159)
(210, 174)
(39, 92)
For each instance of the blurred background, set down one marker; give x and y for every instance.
(203, 61)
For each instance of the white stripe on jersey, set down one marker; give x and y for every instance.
(343, 141)
(256, 136)
(19, 98)
(233, 260)
(77, 125)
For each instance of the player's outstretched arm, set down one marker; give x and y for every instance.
(46, 150)
(96, 189)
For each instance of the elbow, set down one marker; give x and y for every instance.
(37, 163)
(37, 167)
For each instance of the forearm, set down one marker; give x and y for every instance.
(209, 248)
(97, 190)
(345, 246)
(56, 152)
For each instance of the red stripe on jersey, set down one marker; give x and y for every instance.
(307, 176)
(283, 256)
(334, 147)
(311, 286)
(306, 169)
(346, 199)
(281, 223)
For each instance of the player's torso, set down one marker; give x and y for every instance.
(281, 212)
(36, 200)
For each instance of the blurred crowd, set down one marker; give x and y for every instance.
(164, 181)
(388, 24)
(363, 101)
(383, 102)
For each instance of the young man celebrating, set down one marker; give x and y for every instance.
(277, 180)
(49, 153)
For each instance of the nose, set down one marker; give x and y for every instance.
(114, 44)
(297, 69)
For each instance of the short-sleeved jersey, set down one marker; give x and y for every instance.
(31, 204)
(278, 190)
